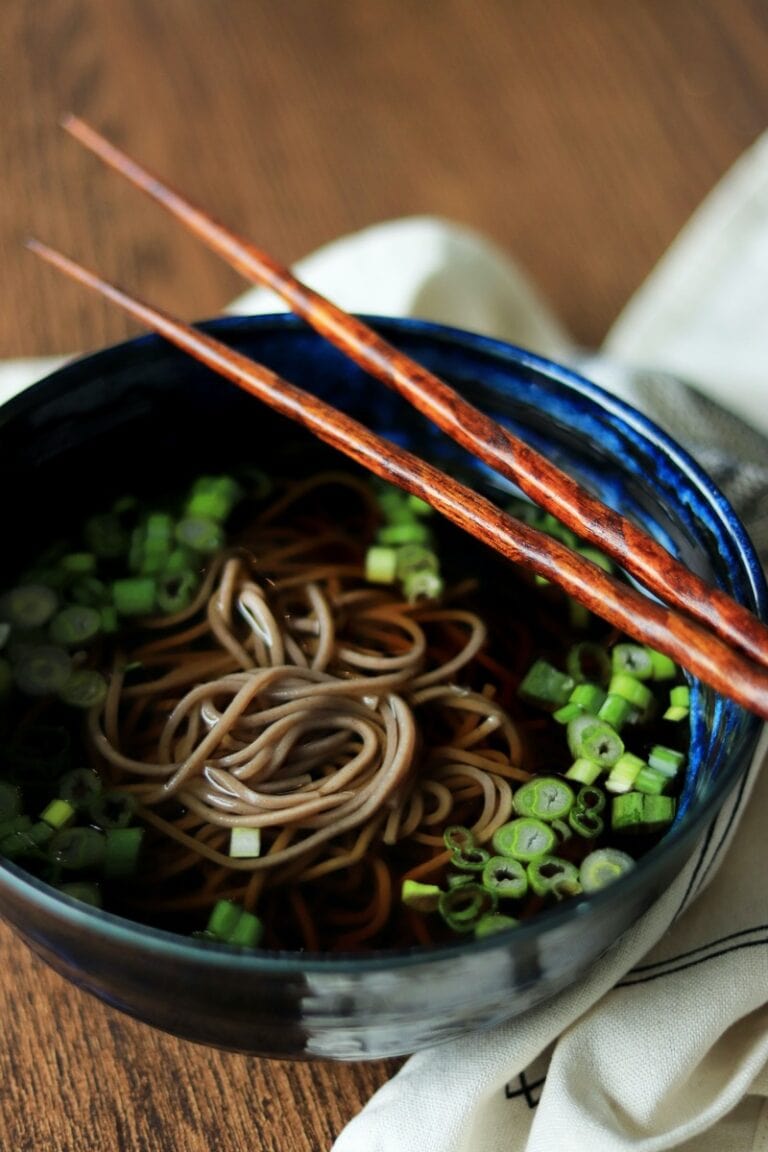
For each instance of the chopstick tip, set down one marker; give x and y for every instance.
(68, 121)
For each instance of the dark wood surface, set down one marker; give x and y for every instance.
(580, 136)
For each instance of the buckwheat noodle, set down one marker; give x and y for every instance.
(295, 698)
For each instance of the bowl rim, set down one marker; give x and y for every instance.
(120, 929)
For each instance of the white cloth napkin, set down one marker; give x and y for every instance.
(665, 1043)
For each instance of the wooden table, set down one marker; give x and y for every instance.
(578, 136)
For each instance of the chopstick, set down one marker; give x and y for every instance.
(632, 547)
(685, 641)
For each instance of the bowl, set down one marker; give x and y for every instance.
(136, 412)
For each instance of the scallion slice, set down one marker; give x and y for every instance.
(506, 877)
(603, 867)
(551, 875)
(546, 797)
(77, 848)
(42, 669)
(85, 689)
(524, 839)
(28, 606)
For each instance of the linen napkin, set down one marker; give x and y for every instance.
(665, 1043)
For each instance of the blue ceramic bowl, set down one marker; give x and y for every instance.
(141, 410)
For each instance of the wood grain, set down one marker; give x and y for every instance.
(579, 136)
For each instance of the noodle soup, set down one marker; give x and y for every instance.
(140, 419)
(305, 714)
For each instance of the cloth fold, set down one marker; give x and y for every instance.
(664, 1044)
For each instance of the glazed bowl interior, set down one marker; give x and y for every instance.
(134, 417)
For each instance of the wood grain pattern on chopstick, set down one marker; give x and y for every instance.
(632, 547)
(685, 641)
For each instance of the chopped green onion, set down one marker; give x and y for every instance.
(651, 781)
(615, 710)
(20, 822)
(245, 843)
(43, 669)
(588, 661)
(458, 838)
(418, 506)
(421, 897)
(642, 812)
(78, 786)
(583, 771)
(465, 853)
(247, 932)
(109, 619)
(122, 847)
(407, 532)
(595, 740)
(415, 558)
(584, 818)
(158, 539)
(461, 908)
(470, 859)
(90, 592)
(76, 848)
(639, 695)
(622, 776)
(112, 809)
(588, 696)
(586, 823)
(134, 596)
(41, 832)
(567, 713)
(546, 797)
(59, 814)
(28, 606)
(20, 843)
(212, 497)
(455, 879)
(551, 875)
(506, 877)
(627, 812)
(546, 685)
(679, 703)
(603, 867)
(658, 812)
(563, 830)
(79, 563)
(223, 919)
(179, 562)
(381, 564)
(666, 760)
(175, 590)
(76, 624)
(663, 667)
(200, 534)
(492, 923)
(85, 688)
(422, 586)
(524, 839)
(634, 659)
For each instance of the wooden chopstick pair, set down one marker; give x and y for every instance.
(730, 653)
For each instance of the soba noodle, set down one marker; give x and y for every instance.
(336, 725)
